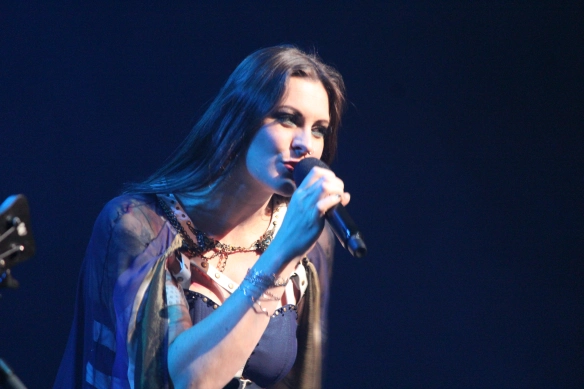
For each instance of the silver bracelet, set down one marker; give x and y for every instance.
(254, 293)
(267, 296)
(264, 310)
(258, 277)
(250, 290)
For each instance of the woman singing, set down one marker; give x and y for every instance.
(214, 272)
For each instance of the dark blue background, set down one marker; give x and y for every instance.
(462, 147)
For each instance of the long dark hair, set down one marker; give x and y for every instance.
(226, 129)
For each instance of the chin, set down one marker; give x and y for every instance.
(287, 189)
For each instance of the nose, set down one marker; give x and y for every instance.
(302, 143)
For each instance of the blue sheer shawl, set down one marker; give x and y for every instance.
(119, 338)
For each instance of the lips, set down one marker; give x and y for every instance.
(290, 165)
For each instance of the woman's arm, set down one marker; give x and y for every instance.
(210, 353)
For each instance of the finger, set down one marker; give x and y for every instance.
(324, 186)
(327, 203)
(345, 198)
(314, 175)
(332, 186)
(312, 192)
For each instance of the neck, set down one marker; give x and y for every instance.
(229, 211)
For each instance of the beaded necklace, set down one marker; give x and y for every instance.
(205, 244)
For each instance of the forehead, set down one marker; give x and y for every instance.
(307, 96)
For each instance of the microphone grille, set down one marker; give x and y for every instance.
(303, 167)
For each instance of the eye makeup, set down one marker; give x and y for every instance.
(290, 117)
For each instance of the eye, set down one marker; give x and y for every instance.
(320, 131)
(286, 119)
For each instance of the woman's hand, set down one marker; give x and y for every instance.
(320, 191)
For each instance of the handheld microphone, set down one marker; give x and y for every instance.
(338, 218)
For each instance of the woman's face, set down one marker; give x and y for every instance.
(294, 130)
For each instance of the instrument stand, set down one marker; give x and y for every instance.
(16, 245)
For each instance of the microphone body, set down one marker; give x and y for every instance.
(338, 218)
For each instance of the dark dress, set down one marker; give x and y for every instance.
(275, 353)
(119, 335)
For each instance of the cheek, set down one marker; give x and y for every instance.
(253, 160)
(318, 150)
(263, 139)
(258, 155)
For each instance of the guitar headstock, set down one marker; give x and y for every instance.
(16, 239)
